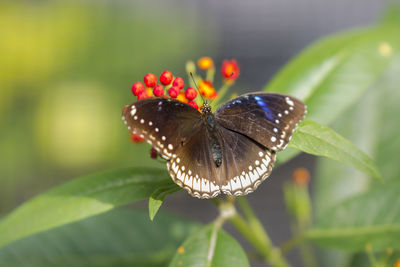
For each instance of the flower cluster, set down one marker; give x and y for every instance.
(169, 86)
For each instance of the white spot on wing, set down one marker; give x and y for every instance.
(289, 101)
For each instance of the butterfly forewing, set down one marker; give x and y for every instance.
(164, 123)
(267, 118)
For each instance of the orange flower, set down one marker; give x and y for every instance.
(230, 69)
(301, 176)
(205, 63)
(206, 89)
(149, 91)
(397, 264)
(181, 97)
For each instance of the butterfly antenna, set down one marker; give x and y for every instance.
(197, 88)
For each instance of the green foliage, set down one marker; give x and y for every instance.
(79, 199)
(158, 196)
(371, 218)
(208, 249)
(316, 139)
(330, 75)
(115, 238)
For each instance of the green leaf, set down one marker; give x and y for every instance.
(157, 198)
(79, 199)
(331, 74)
(370, 218)
(316, 139)
(203, 249)
(120, 237)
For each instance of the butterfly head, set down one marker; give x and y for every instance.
(205, 108)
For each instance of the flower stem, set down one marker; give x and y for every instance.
(291, 243)
(221, 93)
(254, 232)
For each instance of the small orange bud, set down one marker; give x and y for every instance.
(149, 91)
(230, 69)
(205, 63)
(397, 264)
(181, 250)
(206, 89)
(301, 176)
(181, 97)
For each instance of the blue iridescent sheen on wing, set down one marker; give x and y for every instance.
(267, 118)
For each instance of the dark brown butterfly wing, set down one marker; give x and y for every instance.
(193, 168)
(164, 123)
(267, 118)
(245, 163)
(248, 129)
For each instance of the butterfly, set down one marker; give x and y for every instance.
(230, 151)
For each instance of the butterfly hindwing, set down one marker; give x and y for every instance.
(267, 118)
(193, 168)
(164, 123)
(245, 163)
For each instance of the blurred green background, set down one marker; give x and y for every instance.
(66, 68)
(66, 72)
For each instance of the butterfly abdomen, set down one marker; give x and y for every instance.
(215, 146)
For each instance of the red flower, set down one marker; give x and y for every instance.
(173, 91)
(190, 93)
(166, 77)
(178, 82)
(135, 138)
(150, 80)
(230, 69)
(193, 104)
(143, 95)
(137, 88)
(153, 153)
(158, 90)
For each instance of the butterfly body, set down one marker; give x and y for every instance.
(230, 151)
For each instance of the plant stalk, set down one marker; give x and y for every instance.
(254, 232)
